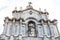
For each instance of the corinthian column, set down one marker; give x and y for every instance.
(5, 25)
(5, 28)
(13, 26)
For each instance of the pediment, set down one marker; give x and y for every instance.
(31, 9)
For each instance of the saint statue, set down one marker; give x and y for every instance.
(32, 29)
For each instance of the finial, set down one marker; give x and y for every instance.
(40, 9)
(15, 8)
(20, 8)
(45, 10)
(30, 3)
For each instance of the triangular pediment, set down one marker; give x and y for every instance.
(31, 10)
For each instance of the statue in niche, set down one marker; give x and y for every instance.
(31, 29)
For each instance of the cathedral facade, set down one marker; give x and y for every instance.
(30, 24)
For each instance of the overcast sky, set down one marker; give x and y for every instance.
(52, 6)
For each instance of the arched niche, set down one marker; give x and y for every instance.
(30, 19)
(32, 29)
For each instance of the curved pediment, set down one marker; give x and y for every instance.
(30, 12)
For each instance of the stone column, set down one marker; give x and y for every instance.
(20, 27)
(13, 26)
(5, 28)
(45, 30)
(26, 28)
(5, 25)
(56, 31)
(52, 29)
(40, 30)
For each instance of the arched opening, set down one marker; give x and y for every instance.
(32, 29)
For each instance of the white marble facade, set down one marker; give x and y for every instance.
(30, 24)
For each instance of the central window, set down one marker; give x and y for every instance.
(32, 29)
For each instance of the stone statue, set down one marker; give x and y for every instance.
(32, 29)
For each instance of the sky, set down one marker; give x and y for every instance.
(7, 6)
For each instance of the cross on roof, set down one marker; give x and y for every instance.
(30, 3)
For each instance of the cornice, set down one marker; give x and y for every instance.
(29, 7)
(15, 11)
(46, 21)
(13, 19)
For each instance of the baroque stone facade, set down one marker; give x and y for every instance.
(30, 24)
